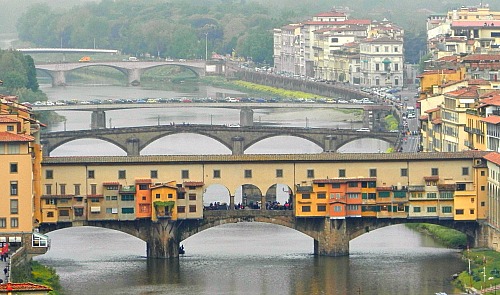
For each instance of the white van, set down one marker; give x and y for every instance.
(132, 58)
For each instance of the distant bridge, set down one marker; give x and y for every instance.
(134, 139)
(132, 69)
(67, 50)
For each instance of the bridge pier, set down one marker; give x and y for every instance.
(333, 238)
(134, 77)
(163, 240)
(58, 78)
(246, 117)
(133, 146)
(98, 120)
(238, 145)
(330, 143)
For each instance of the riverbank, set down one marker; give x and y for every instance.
(483, 271)
(446, 236)
(39, 274)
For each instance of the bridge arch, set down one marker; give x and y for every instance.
(195, 71)
(260, 139)
(342, 143)
(165, 135)
(68, 140)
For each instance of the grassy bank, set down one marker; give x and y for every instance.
(39, 274)
(484, 270)
(255, 89)
(449, 237)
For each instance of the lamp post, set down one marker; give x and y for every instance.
(206, 46)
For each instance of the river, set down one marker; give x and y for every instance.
(243, 258)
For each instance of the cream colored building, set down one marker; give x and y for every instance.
(381, 62)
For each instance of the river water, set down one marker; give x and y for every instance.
(243, 258)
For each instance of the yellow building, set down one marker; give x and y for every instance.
(430, 80)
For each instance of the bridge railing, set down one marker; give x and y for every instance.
(245, 213)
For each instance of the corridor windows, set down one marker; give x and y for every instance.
(248, 173)
(153, 174)
(77, 189)
(306, 208)
(122, 174)
(48, 189)
(216, 174)
(310, 173)
(185, 174)
(279, 173)
(434, 171)
(373, 172)
(341, 172)
(465, 171)
(49, 174)
(14, 207)
(91, 174)
(321, 208)
(14, 222)
(404, 172)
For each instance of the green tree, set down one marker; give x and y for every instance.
(258, 45)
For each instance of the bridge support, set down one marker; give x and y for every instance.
(330, 143)
(134, 77)
(98, 120)
(163, 240)
(58, 78)
(238, 145)
(333, 238)
(246, 117)
(133, 147)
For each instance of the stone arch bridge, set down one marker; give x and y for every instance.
(237, 139)
(331, 236)
(132, 70)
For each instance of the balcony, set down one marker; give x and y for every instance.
(416, 188)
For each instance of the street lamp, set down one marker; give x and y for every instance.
(206, 46)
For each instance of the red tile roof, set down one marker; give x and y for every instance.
(344, 22)
(431, 178)
(481, 57)
(13, 137)
(477, 23)
(110, 183)
(424, 118)
(493, 100)
(492, 120)
(493, 157)
(4, 119)
(466, 92)
(143, 180)
(432, 110)
(193, 183)
(437, 121)
(22, 287)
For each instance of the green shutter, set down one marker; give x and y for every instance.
(364, 196)
(407, 208)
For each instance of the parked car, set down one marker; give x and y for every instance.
(364, 129)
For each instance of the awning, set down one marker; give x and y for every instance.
(95, 209)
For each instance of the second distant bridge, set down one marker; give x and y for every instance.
(134, 139)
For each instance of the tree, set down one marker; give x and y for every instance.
(258, 45)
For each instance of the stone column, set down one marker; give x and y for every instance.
(163, 241)
(134, 77)
(333, 239)
(231, 202)
(98, 120)
(45, 148)
(330, 143)
(238, 145)
(246, 117)
(58, 78)
(133, 147)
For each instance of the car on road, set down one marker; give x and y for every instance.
(342, 101)
(364, 129)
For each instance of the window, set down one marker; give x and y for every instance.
(335, 185)
(78, 211)
(446, 209)
(321, 185)
(384, 194)
(13, 167)
(185, 174)
(13, 188)
(13, 149)
(248, 173)
(143, 187)
(431, 209)
(3, 222)
(483, 173)
(321, 196)
(109, 210)
(127, 210)
(170, 196)
(50, 202)
(216, 174)
(77, 189)
(416, 210)
(181, 209)
(64, 213)
(94, 200)
(483, 188)
(341, 172)
(48, 189)
(465, 170)
(404, 172)
(192, 197)
(14, 222)
(279, 173)
(461, 186)
(93, 189)
(310, 173)
(122, 174)
(337, 208)
(306, 196)
(373, 172)
(62, 188)
(306, 208)
(10, 127)
(471, 211)
(431, 195)
(459, 211)
(321, 208)
(153, 173)
(14, 206)
(50, 214)
(157, 196)
(434, 171)
(144, 198)
(353, 184)
(127, 197)
(192, 208)
(91, 174)
(49, 174)
(483, 204)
